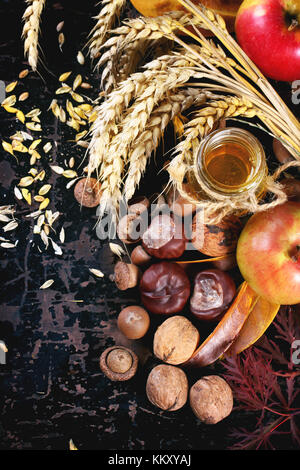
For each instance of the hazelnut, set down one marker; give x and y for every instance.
(281, 152)
(138, 205)
(211, 399)
(175, 340)
(178, 204)
(126, 275)
(88, 192)
(291, 187)
(216, 239)
(133, 322)
(118, 363)
(139, 256)
(127, 229)
(167, 387)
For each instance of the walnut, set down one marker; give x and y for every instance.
(216, 239)
(167, 387)
(211, 399)
(175, 340)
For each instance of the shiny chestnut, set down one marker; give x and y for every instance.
(213, 292)
(165, 288)
(164, 238)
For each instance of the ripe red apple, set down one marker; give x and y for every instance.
(269, 33)
(268, 253)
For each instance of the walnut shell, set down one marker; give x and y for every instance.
(216, 239)
(211, 399)
(175, 340)
(167, 387)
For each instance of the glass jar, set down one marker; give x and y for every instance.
(230, 162)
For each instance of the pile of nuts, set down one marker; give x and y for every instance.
(166, 287)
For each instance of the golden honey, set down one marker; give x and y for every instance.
(230, 161)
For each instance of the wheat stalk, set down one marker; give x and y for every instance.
(30, 33)
(105, 20)
(127, 45)
(148, 140)
(277, 117)
(112, 111)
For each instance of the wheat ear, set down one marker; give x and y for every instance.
(30, 33)
(128, 43)
(147, 142)
(105, 20)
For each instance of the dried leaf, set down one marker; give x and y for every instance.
(72, 445)
(18, 193)
(10, 226)
(44, 189)
(47, 147)
(77, 82)
(57, 169)
(19, 147)
(23, 73)
(96, 272)
(33, 126)
(116, 249)
(3, 347)
(23, 96)
(44, 204)
(79, 136)
(34, 144)
(26, 195)
(60, 26)
(80, 58)
(8, 147)
(10, 109)
(77, 97)
(226, 331)
(10, 87)
(69, 174)
(20, 116)
(47, 284)
(56, 248)
(62, 235)
(61, 40)
(9, 101)
(4, 218)
(7, 245)
(25, 181)
(63, 89)
(70, 183)
(33, 113)
(261, 316)
(38, 198)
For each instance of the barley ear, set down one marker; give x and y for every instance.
(30, 34)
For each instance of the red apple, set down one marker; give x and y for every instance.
(268, 253)
(269, 33)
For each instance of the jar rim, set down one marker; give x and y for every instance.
(245, 138)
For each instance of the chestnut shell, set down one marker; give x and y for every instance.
(174, 248)
(221, 280)
(165, 288)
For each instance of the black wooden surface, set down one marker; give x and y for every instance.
(51, 387)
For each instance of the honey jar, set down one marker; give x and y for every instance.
(230, 162)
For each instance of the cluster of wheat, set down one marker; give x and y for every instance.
(150, 75)
(31, 18)
(139, 105)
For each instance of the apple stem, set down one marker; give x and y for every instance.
(296, 255)
(294, 24)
